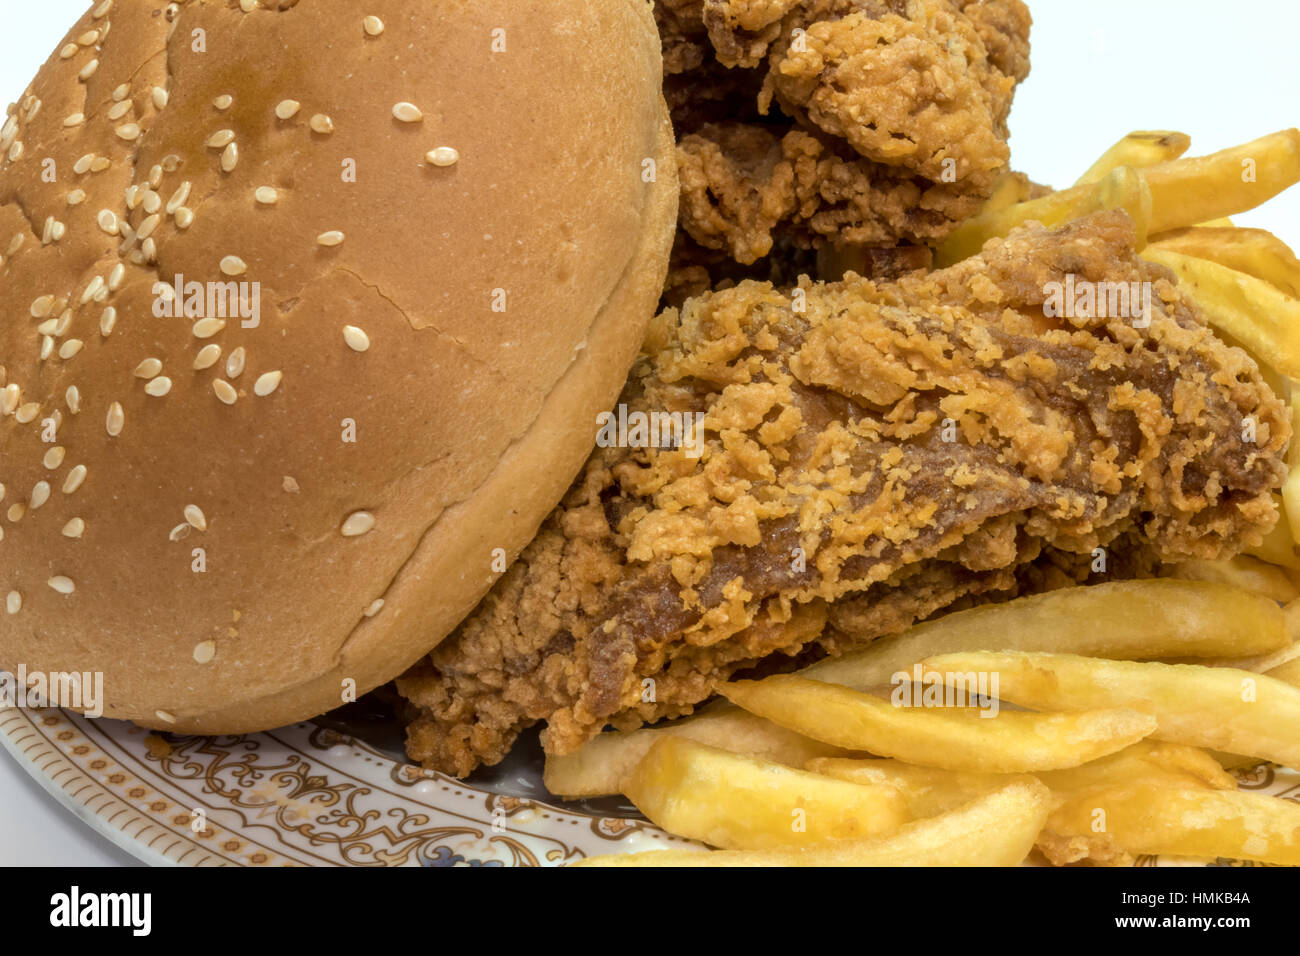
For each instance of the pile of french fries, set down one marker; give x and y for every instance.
(1117, 710)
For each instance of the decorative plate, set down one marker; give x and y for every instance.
(336, 792)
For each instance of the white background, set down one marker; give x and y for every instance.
(1223, 73)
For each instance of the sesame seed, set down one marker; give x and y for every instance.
(443, 156)
(225, 391)
(230, 158)
(223, 102)
(178, 198)
(76, 119)
(54, 457)
(89, 38)
(121, 92)
(40, 494)
(207, 357)
(195, 518)
(27, 412)
(33, 109)
(16, 151)
(290, 485)
(184, 216)
(11, 394)
(235, 363)
(116, 419)
(233, 266)
(248, 6)
(101, 11)
(57, 230)
(287, 109)
(47, 348)
(107, 320)
(170, 163)
(129, 132)
(356, 338)
(149, 368)
(407, 112)
(82, 166)
(41, 306)
(100, 164)
(68, 52)
(108, 221)
(206, 328)
(357, 523)
(204, 651)
(16, 512)
(62, 584)
(331, 238)
(159, 386)
(152, 202)
(221, 138)
(160, 98)
(116, 277)
(182, 530)
(74, 528)
(74, 479)
(320, 123)
(148, 226)
(62, 323)
(76, 197)
(88, 70)
(266, 196)
(373, 26)
(93, 289)
(13, 602)
(155, 175)
(149, 250)
(375, 607)
(118, 110)
(73, 398)
(165, 717)
(70, 348)
(267, 383)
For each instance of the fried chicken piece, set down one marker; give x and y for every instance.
(872, 121)
(872, 452)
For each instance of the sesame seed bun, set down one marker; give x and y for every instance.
(457, 247)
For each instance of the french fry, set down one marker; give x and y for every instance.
(1287, 672)
(1255, 252)
(1261, 317)
(1123, 188)
(1123, 619)
(740, 803)
(1138, 149)
(1187, 191)
(997, 829)
(954, 738)
(929, 790)
(1221, 708)
(1011, 188)
(1111, 823)
(1291, 486)
(598, 767)
(1278, 547)
(1243, 572)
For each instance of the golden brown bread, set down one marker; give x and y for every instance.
(469, 422)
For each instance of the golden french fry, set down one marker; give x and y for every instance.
(1255, 252)
(997, 829)
(1123, 619)
(1222, 223)
(1010, 188)
(598, 767)
(1261, 317)
(740, 803)
(1138, 149)
(1243, 572)
(930, 790)
(1222, 708)
(1111, 823)
(1187, 191)
(954, 738)
(1123, 188)
(1287, 672)
(1278, 546)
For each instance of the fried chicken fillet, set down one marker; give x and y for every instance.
(871, 452)
(801, 122)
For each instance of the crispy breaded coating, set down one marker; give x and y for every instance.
(872, 452)
(861, 121)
